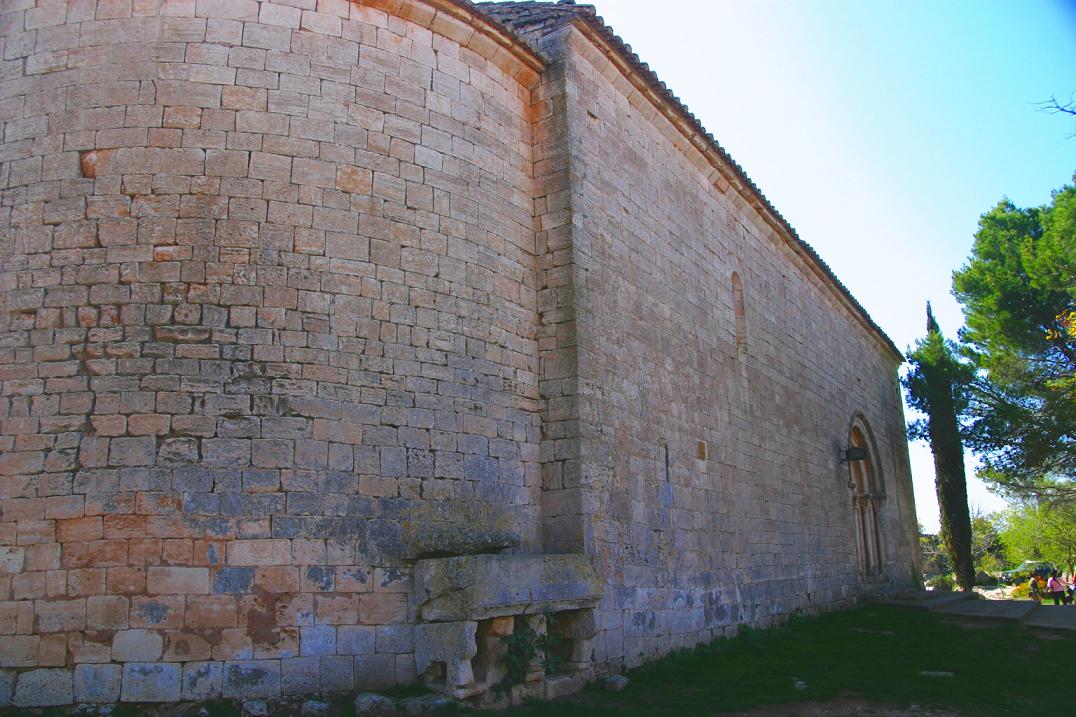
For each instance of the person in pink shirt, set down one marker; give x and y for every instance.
(1056, 588)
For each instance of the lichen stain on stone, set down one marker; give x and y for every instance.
(155, 612)
(245, 675)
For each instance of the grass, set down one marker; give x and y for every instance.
(873, 652)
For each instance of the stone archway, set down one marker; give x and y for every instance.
(868, 497)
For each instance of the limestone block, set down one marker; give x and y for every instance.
(375, 672)
(202, 680)
(151, 682)
(453, 528)
(43, 688)
(97, 683)
(452, 643)
(251, 679)
(137, 646)
(337, 673)
(299, 675)
(477, 587)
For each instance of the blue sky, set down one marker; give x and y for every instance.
(881, 130)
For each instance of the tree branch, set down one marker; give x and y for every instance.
(1053, 107)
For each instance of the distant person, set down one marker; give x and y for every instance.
(1056, 588)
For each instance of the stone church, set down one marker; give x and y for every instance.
(340, 340)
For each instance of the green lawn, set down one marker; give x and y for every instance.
(874, 652)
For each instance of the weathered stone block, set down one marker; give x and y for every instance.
(477, 587)
(375, 672)
(317, 640)
(452, 643)
(151, 682)
(137, 646)
(251, 679)
(97, 683)
(300, 675)
(43, 688)
(355, 640)
(202, 680)
(337, 673)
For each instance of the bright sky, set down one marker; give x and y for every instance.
(880, 130)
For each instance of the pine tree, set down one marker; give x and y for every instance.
(936, 387)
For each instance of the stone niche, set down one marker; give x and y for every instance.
(468, 606)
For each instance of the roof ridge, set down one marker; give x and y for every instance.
(521, 14)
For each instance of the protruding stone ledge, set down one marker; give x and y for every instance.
(478, 587)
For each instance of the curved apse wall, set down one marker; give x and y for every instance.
(268, 302)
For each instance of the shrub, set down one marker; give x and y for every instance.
(941, 582)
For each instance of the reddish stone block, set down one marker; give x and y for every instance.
(127, 581)
(95, 553)
(177, 581)
(86, 581)
(44, 556)
(280, 643)
(64, 506)
(30, 532)
(28, 586)
(336, 609)
(9, 611)
(183, 646)
(90, 647)
(124, 526)
(107, 612)
(52, 650)
(277, 579)
(294, 610)
(211, 611)
(159, 612)
(178, 552)
(208, 552)
(259, 552)
(60, 615)
(382, 608)
(56, 583)
(79, 530)
(145, 551)
(234, 644)
(19, 650)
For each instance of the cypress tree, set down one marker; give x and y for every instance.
(936, 386)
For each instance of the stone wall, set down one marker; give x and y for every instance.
(710, 445)
(298, 297)
(268, 327)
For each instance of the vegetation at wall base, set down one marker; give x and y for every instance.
(875, 652)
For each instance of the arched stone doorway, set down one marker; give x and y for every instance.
(868, 497)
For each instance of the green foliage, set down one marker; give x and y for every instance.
(1042, 531)
(942, 581)
(1018, 292)
(935, 559)
(523, 645)
(935, 385)
(876, 653)
(987, 549)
